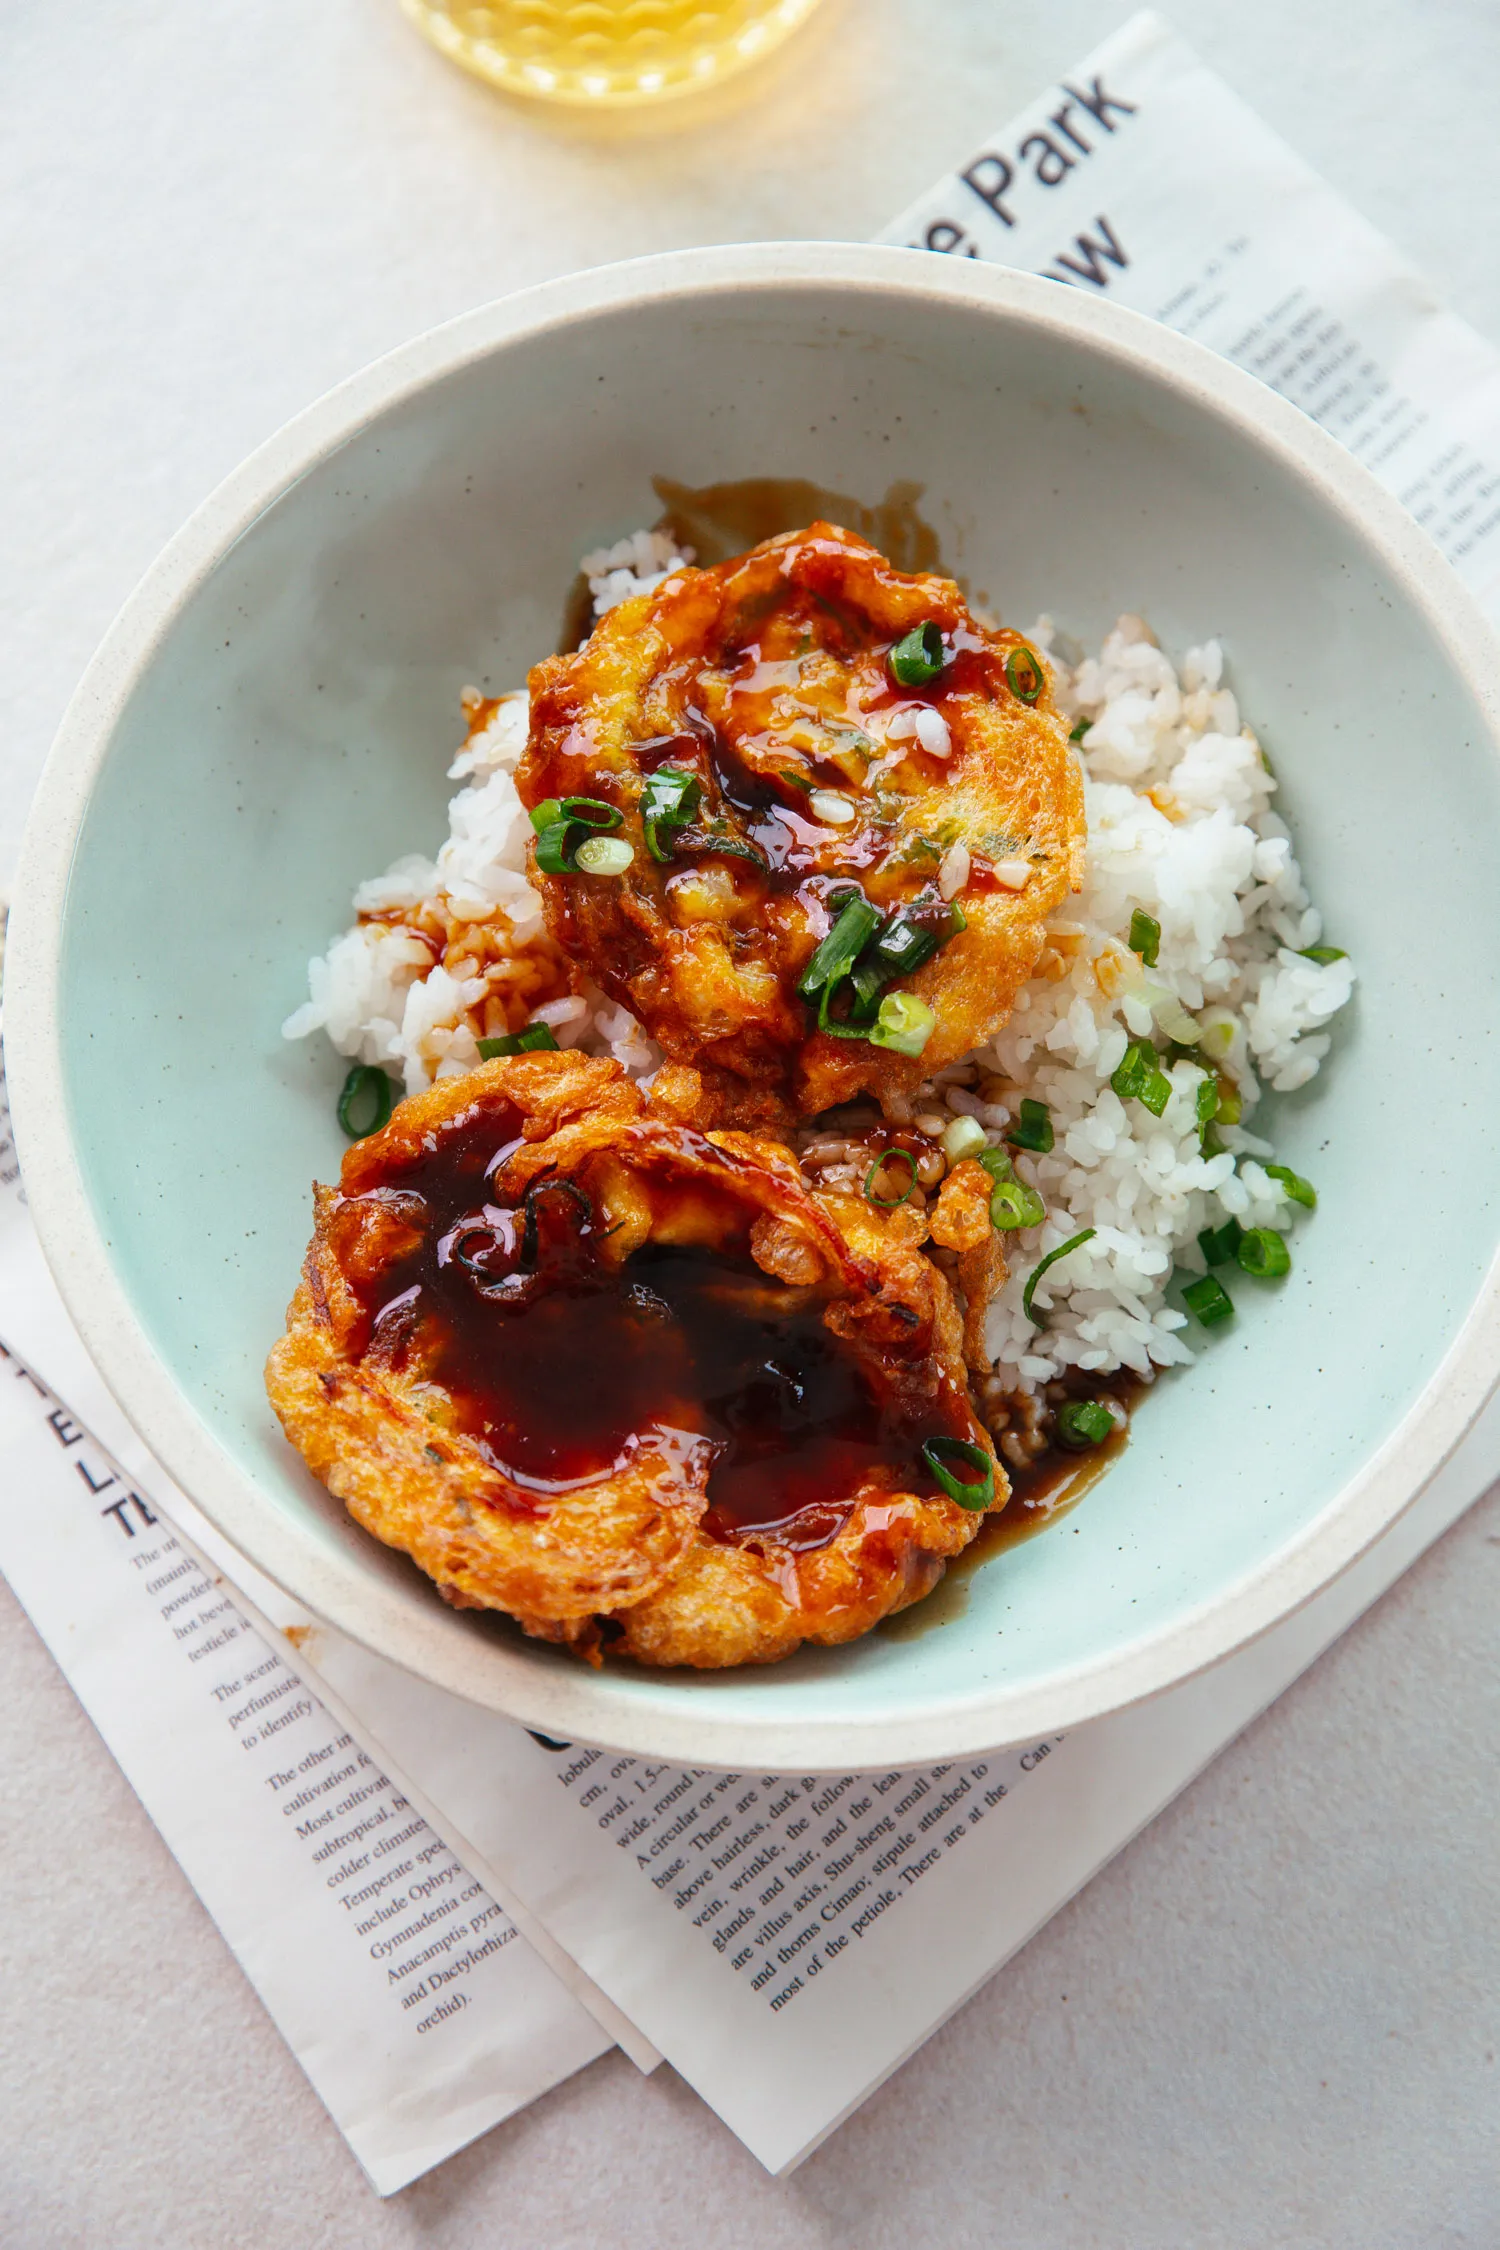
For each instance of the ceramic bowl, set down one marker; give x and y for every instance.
(270, 719)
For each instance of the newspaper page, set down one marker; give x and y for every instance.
(419, 2014)
(787, 1940)
(759, 1929)
(1143, 177)
(401, 1986)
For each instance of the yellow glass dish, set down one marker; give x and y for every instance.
(612, 53)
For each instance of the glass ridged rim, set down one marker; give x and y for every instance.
(606, 89)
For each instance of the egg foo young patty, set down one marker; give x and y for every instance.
(632, 1383)
(805, 817)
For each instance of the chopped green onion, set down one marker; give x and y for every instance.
(1323, 954)
(857, 1024)
(857, 922)
(1130, 1072)
(553, 848)
(1207, 1100)
(1138, 1078)
(1083, 1421)
(1013, 1204)
(1263, 1253)
(1079, 729)
(1145, 937)
(593, 812)
(904, 1024)
(962, 1489)
(1172, 1018)
(720, 838)
(604, 855)
(904, 941)
(798, 781)
(964, 1137)
(1216, 1031)
(1039, 1320)
(365, 1084)
(536, 1039)
(996, 1163)
(1208, 1301)
(669, 800)
(1231, 1106)
(1219, 1244)
(869, 953)
(1156, 1093)
(890, 1156)
(563, 824)
(1033, 1129)
(1024, 672)
(919, 657)
(1298, 1190)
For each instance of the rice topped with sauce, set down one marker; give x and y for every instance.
(1182, 842)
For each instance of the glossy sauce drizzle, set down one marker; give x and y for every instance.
(558, 1361)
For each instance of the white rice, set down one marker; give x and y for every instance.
(1180, 827)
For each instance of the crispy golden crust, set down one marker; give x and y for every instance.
(621, 1560)
(767, 677)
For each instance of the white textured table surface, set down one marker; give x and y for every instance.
(1273, 2020)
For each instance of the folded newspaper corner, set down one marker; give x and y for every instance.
(445, 1915)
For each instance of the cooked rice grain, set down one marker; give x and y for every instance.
(452, 950)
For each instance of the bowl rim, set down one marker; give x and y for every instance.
(574, 1703)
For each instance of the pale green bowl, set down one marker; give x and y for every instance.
(269, 721)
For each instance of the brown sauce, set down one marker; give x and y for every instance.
(718, 521)
(557, 1360)
(721, 520)
(1041, 1496)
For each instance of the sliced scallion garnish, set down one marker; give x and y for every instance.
(563, 823)
(1083, 1421)
(1263, 1253)
(855, 925)
(1023, 671)
(1298, 1190)
(1139, 1079)
(964, 1137)
(1145, 937)
(1033, 1128)
(1014, 1205)
(603, 855)
(918, 658)
(904, 1024)
(964, 1490)
(868, 953)
(720, 839)
(668, 801)
(890, 1156)
(536, 1039)
(903, 942)
(1208, 1301)
(365, 1088)
(1079, 729)
(857, 1024)
(593, 812)
(1039, 1320)
(1219, 1244)
(1323, 954)
(1207, 1100)
(996, 1163)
